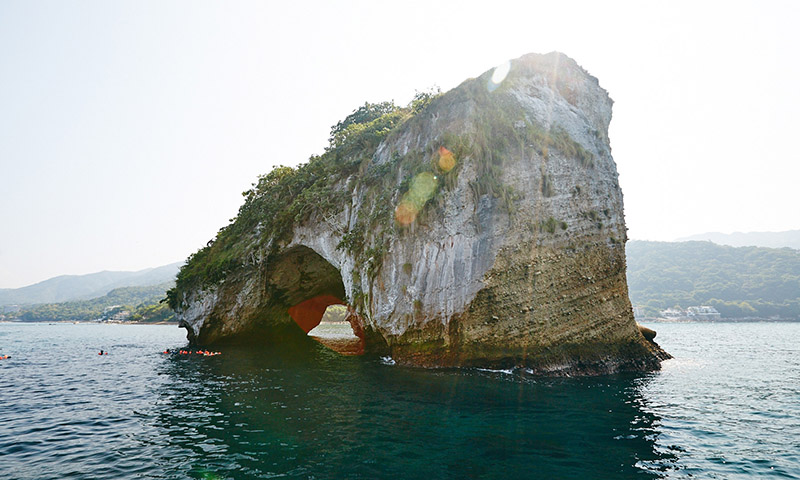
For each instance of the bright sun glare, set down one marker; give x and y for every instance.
(499, 74)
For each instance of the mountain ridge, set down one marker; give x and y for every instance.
(142, 300)
(786, 238)
(64, 288)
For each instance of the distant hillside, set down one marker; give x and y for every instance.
(80, 287)
(142, 303)
(790, 238)
(739, 282)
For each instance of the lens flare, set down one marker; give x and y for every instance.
(423, 186)
(446, 159)
(499, 74)
(405, 213)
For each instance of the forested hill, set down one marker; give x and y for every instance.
(79, 287)
(140, 304)
(737, 281)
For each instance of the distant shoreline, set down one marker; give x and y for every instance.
(721, 320)
(84, 322)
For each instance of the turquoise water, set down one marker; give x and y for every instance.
(727, 407)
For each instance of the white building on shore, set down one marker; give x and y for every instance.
(696, 313)
(703, 313)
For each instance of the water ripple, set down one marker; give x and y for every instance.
(726, 407)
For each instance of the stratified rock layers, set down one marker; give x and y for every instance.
(517, 258)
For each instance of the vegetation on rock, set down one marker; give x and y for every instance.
(287, 196)
(323, 186)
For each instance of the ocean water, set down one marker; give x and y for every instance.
(727, 407)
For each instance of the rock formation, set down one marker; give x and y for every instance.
(480, 227)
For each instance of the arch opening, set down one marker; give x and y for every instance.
(314, 291)
(339, 330)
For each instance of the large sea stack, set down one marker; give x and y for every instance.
(479, 227)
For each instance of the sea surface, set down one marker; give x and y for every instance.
(727, 407)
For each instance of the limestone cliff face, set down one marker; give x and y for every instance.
(484, 229)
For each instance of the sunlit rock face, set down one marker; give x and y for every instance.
(505, 244)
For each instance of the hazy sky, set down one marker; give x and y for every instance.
(128, 130)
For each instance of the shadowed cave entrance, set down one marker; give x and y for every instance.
(316, 294)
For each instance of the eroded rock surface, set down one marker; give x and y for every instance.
(485, 228)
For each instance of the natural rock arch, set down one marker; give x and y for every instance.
(311, 284)
(299, 287)
(483, 228)
(306, 284)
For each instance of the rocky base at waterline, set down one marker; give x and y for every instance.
(479, 227)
